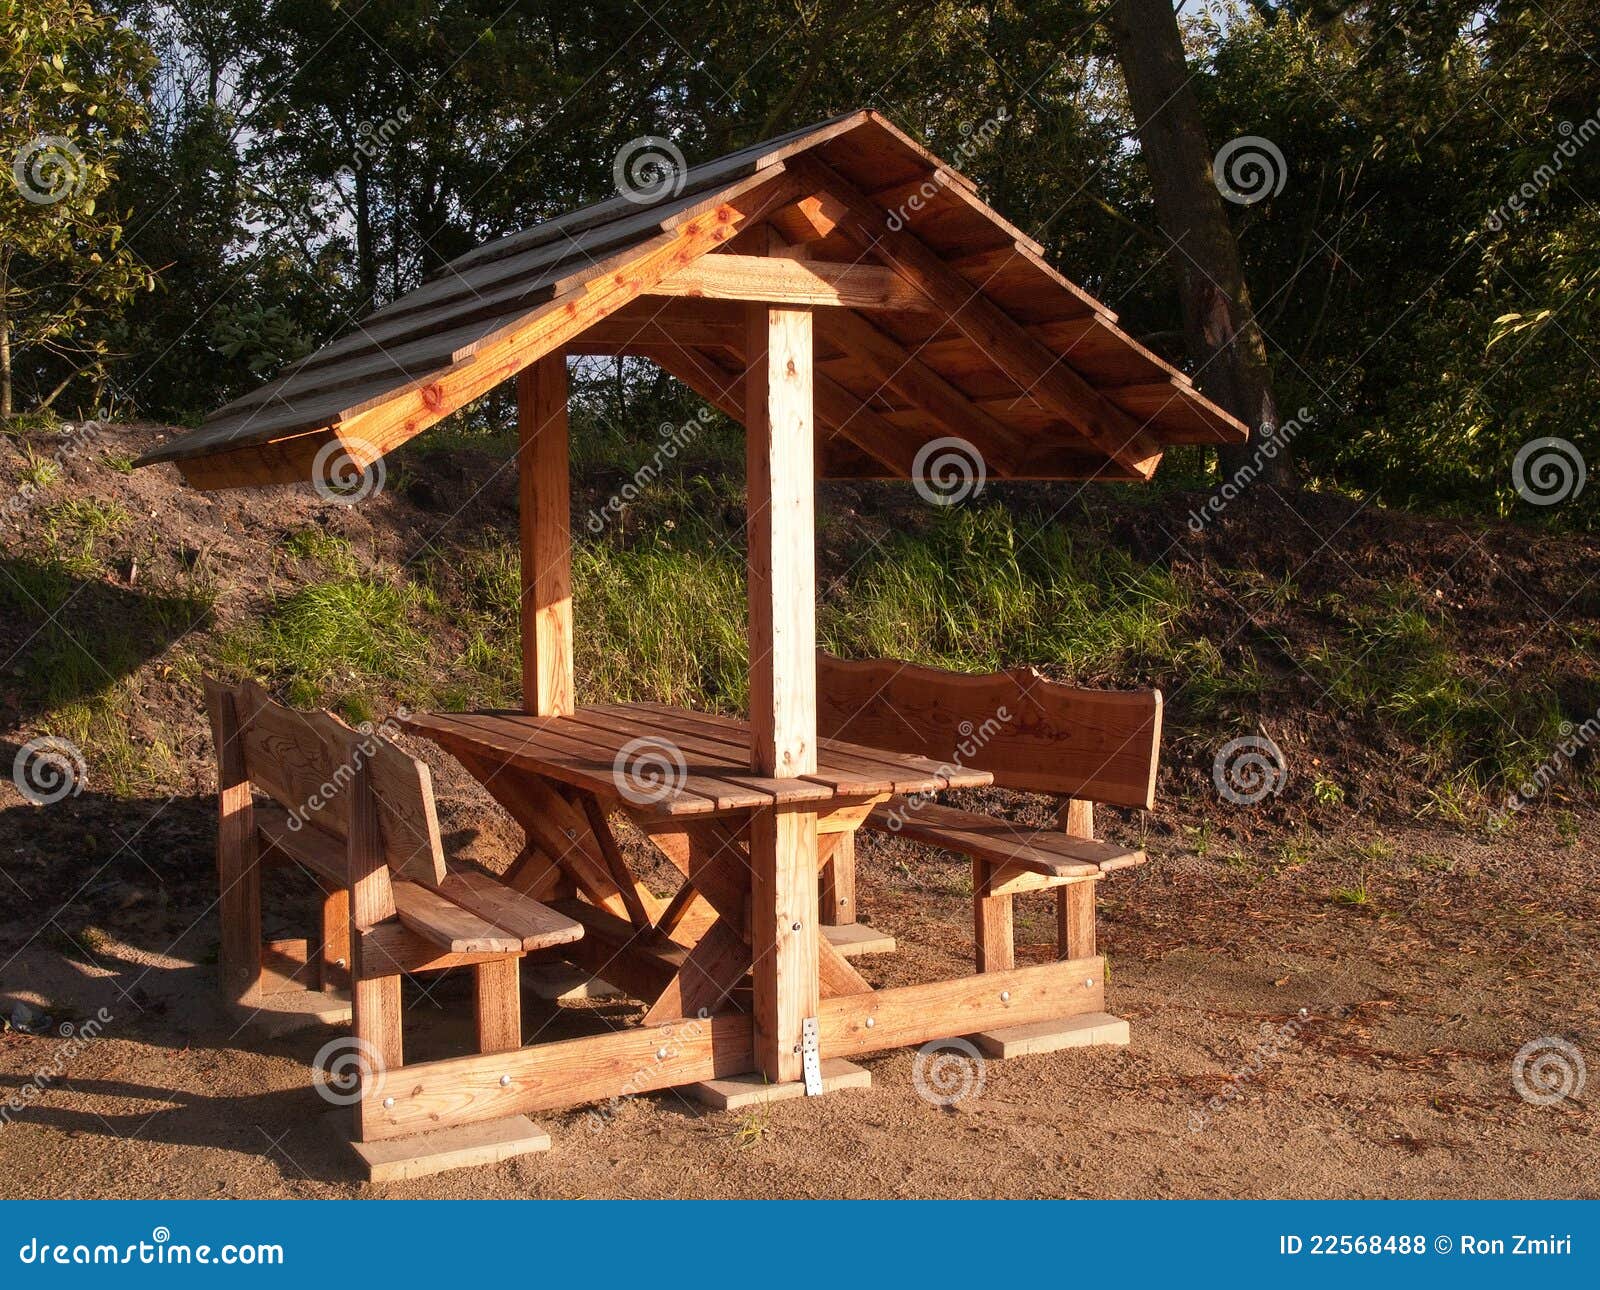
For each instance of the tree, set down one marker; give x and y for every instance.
(72, 85)
(1219, 324)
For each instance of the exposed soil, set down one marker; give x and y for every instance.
(1323, 1002)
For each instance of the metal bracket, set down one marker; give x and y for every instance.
(810, 1056)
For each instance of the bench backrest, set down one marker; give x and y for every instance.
(1029, 732)
(306, 762)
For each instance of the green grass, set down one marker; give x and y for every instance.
(978, 589)
(1396, 660)
(333, 640)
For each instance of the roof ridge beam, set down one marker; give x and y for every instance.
(1041, 373)
(793, 283)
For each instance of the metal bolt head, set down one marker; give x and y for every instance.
(388, 1102)
(843, 901)
(1088, 981)
(661, 1054)
(505, 1081)
(871, 1022)
(1005, 996)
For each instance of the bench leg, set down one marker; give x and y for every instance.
(499, 1005)
(991, 923)
(333, 953)
(239, 879)
(1075, 920)
(837, 906)
(376, 1007)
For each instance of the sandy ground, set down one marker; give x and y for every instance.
(1396, 1082)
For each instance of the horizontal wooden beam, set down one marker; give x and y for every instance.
(914, 1014)
(793, 283)
(545, 1077)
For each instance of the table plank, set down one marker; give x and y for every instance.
(855, 768)
(583, 750)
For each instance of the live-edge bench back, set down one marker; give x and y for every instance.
(1031, 733)
(306, 762)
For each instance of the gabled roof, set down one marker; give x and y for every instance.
(981, 339)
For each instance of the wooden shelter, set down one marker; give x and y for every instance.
(852, 300)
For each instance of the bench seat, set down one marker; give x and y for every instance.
(468, 913)
(1043, 851)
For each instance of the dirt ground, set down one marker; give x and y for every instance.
(1397, 1081)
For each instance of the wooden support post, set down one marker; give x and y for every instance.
(991, 922)
(838, 898)
(1075, 938)
(333, 950)
(375, 1000)
(783, 677)
(238, 860)
(499, 1005)
(542, 490)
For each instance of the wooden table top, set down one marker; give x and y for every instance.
(661, 760)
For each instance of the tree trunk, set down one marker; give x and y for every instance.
(1219, 325)
(5, 338)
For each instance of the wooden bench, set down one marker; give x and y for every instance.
(1031, 734)
(357, 815)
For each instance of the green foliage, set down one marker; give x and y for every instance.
(71, 87)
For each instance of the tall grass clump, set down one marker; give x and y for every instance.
(979, 589)
(331, 638)
(662, 621)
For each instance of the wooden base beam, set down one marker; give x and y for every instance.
(465, 1090)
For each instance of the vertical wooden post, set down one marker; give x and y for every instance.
(333, 948)
(238, 866)
(497, 986)
(992, 926)
(543, 493)
(1075, 937)
(375, 999)
(838, 899)
(783, 677)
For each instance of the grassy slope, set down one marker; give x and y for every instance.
(1407, 667)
